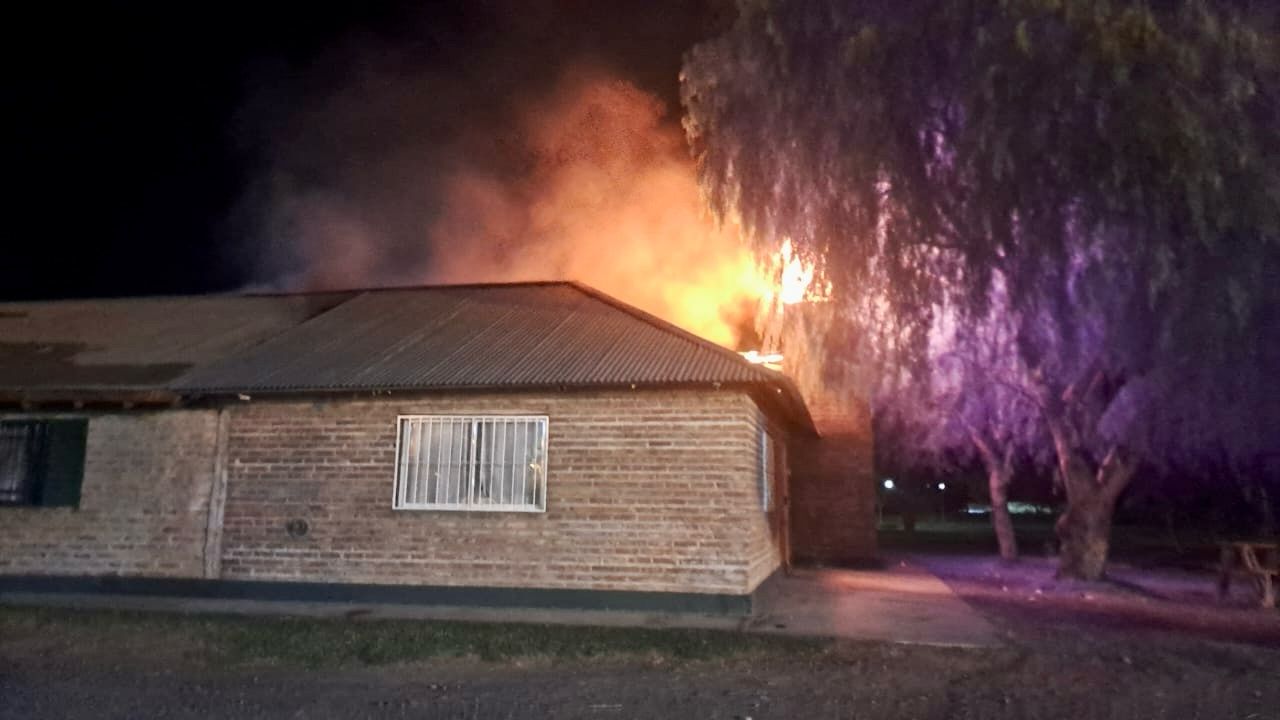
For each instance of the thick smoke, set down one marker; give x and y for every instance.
(387, 168)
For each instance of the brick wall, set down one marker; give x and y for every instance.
(646, 491)
(143, 503)
(832, 486)
(765, 547)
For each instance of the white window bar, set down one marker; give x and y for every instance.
(766, 470)
(523, 431)
(466, 462)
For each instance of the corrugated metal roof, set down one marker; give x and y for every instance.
(526, 335)
(549, 334)
(138, 343)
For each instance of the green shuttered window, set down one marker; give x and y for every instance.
(42, 461)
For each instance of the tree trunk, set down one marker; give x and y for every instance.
(1084, 538)
(1084, 529)
(999, 474)
(998, 486)
(1072, 416)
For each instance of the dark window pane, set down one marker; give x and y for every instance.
(42, 461)
(64, 447)
(15, 463)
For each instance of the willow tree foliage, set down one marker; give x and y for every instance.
(970, 406)
(1113, 166)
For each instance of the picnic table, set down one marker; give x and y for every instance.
(1259, 559)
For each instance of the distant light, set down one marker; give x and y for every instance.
(942, 486)
(888, 484)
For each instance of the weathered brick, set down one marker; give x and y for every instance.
(645, 491)
(143, 504)
(833, 491)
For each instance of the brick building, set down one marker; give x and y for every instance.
(528, 444)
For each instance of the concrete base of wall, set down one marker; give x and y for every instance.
(480, 597)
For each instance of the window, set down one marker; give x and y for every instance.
(766, 471)
(490, 463)
(42, 461)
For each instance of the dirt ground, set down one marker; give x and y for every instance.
(1158, 599)
(1053, 665)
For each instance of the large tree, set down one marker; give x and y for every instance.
(1112, 165)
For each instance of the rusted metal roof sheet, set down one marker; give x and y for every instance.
(137, 343)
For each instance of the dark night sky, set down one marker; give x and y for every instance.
(128, 155)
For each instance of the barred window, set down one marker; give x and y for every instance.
(42, 461)
(489, 463)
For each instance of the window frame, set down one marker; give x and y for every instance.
(765, 470)
(472, 420)
(55, 465)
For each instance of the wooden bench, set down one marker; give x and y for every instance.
(1258, 560)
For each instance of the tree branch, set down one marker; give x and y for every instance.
(1072, 394)
(1115, 472)
(979, 441)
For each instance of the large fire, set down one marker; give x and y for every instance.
(591, 181)
(612, 200)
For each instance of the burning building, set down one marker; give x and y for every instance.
(831, 494)
(516, 444)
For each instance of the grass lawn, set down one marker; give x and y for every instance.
(91, 665)
(970, 534)
(963, 533)
(317, 642)
(1068, 651)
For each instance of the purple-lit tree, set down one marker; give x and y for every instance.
(1112, 167)
(968, 401)
(1219, 422)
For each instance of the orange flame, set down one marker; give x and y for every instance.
(611, 200)
(591, 182)
(797, 275)
(791, 281)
